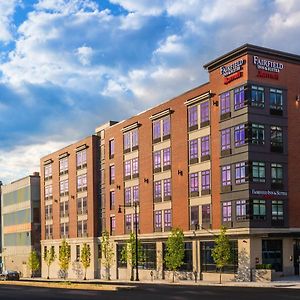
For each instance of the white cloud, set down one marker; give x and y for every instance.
(84, 55)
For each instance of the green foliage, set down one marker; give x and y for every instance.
(64, 256)
(107, 253)
(221, 253)
(264, 266)
(33, 262)
(49, 257)
(85, 257)
(175, 250)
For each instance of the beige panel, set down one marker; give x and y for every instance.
(16, 207)
(64, 199)
(201, 166)
(200, 200)
(199, 133)
(82, 217)
(162, 145)
(17, 228)
(64, 177)
(162, 175)
(16, 185)
(131, 155)
(82, 194)
(64, 220)
(163, 205)
(131, 182)
(49, 222)
(82, 171)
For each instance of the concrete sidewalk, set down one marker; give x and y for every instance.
(284, 282)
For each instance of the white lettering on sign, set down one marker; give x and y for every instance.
(269, 193)
(232, 68)
(267, 65)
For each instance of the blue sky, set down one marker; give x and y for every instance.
(67, 66)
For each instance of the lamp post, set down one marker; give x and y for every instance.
(135, 205)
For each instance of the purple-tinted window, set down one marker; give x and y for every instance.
(225, 139)
(239, 135)
(136, 219)
(205, 145)
(112, 199)
(126, 138)
(48, 170)
(112, 223)
(112, 173)
(167, 157)
(194, 215)
(206, 213)
(157, 159)
(127, 167)
(127, 196)
(167, 218)
(225, 103)
(194, 182)
(135, 138)
(157, 189)
(167, 187)
(111, 148)
(81, 158)
(239, 98)
(193, 115)
(135, 193)
(157, 219)
(156, 129)
(166, 126)
(205, 180)
(240, 172)
(135, 166)
(226, 209)
(128, 221)
(204, 107)
(193, 149)
(226, 175)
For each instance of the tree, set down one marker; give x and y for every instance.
(33, 262)
(107, 253)
(49, 257)
(64, 257)
(85, 257)
(175, 251)
(128, 253)
(221, 253)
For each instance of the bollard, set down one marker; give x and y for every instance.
(151, 274)
(195, 275)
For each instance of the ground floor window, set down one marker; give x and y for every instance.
(149, 251)
(207, 262)
(272, 253)
(120, 263)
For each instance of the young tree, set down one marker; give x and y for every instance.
(49, 257)
(175, 251)
(64, 257)
(85, 257)
(128, 253)
(33, 262)
(221, 253)
(107, 253)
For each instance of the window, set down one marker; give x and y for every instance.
(204, 116)
(206, 214)
(120, 262)
(157, 220)
(166, 126)
(131, 140)
(226, 209)
(48, 171)
(82, 228)
(193, 117)
(111, 147)
(193, 147)
(64, 209)
(135, 193)
(156, 130)
(225, 103)
(157, 161)
(276, 101)
(82, 206)
(112, 199)
(64, 230)
(257, 96)
(277, 212)
(48, 192)
(112, 224)
(128, 223)
(111, 174)
(49, 231)
(126, 141)
(194, 217)
(226, 175)
(157, 190)
(135, 167)
(149, 250)
(161, 129)
(205, 148)
(225, 139)
(167, 188)
(167, 158)
(81, 159)
(128, 196)
(127, 167)
(63, 165)
(194, 184)
(239, 98)
(167, 219)
(272, 253)
(77, 252)
(258, 171)
(239, 135)
(257, 134)
(48, 212)
(187, 258)
(136, 219)
(259, 209)
(81, 182)
(276, 139)
(241, 210)
(240, 173)
(276, 174)
(205, 181)
(64, 187)
(134, 139)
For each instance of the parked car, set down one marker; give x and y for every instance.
(10, 275)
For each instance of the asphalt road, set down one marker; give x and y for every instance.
(153, 292)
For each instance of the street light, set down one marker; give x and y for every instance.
(135, 205)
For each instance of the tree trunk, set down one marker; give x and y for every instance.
(220, 281)
(173, 279)
(84, 278)
(131, 277)
(107, 273)
(48, 272)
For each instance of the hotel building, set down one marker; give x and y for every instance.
(21, 227)
(223, 153)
